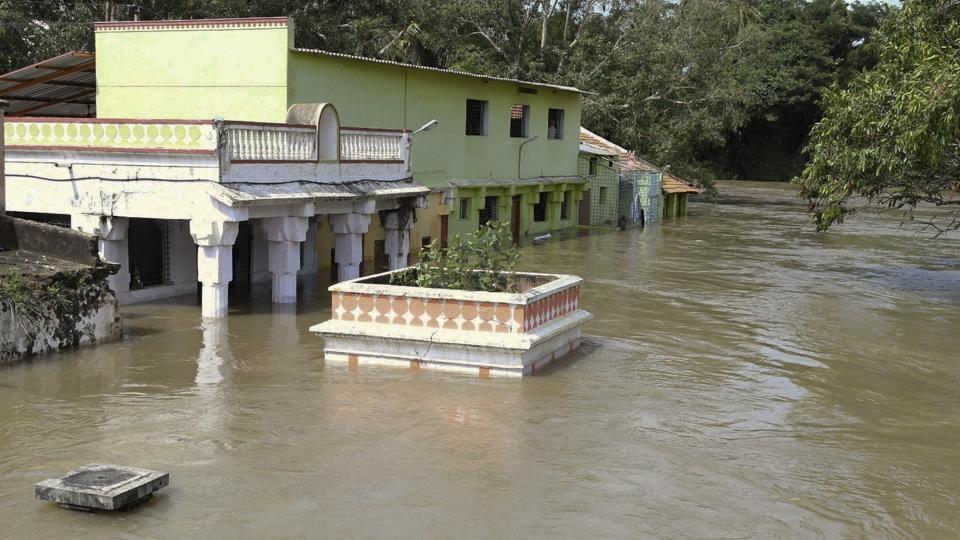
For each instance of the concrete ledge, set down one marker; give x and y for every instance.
(58, 242)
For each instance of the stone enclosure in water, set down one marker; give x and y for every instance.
(96, 487)
(490, 333)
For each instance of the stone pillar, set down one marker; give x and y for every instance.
(214, 241)
(3, 177)
(397, 225)
(348, 243)
(309, 263)
(112, 244)
(283, 235)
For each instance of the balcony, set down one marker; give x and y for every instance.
(241, 142)
(256, 141)
(373, 145)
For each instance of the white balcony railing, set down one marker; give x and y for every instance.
(250, 141)
(270, 142)
(372, 145)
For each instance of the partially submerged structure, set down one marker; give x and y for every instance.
(175, 202)
(128, 143)
(625, 190)
(488, 333)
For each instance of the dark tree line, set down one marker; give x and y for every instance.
(712, 88)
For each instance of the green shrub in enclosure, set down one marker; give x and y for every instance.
(481, 262)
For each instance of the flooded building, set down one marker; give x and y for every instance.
(498, 145)
(177, 202)
(624, 190)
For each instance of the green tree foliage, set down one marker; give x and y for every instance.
(706, 87)
(893, 134)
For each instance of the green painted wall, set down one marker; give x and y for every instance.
(237, 74)
(604, 189)
(368, 94)
(529, 195)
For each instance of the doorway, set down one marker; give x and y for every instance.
(515, 219)
(149, 253)
(584, 217)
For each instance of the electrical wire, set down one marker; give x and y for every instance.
(203, 180)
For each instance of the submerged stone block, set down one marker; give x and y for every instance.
(98, 486)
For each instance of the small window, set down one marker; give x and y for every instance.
(565, 206)
(489, 211)
(555, 124)
(540, 208)
(464, 208)
(603, 195)
(425, 241)
(476, 117)
(519, 120)
(593, 166)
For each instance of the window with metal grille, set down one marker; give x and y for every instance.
(464, 208)
(148, 253)
(489, 211)
(476, 117)
(555, 124)
(519, 120)
(540, 208)
(593, 167)
(565, 205)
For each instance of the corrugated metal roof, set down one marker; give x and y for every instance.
(64, 85)
(440, 70)
(590, 149)
(249, 193)
(630, 162)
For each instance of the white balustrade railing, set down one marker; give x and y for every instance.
(372, 145)
(264, 142)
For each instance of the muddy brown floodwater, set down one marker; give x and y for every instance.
(744, 377)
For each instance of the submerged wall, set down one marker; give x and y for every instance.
(53, 290)
(56, 312)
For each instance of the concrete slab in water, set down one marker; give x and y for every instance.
(102, 487)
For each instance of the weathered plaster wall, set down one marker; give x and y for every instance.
(90, 315)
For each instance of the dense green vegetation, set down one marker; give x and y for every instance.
(893, 134)
(712, 88)
(482, 261)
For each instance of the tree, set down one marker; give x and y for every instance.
(893, 135)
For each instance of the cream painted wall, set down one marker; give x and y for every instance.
(200, 73)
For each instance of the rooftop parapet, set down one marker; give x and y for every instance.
(242, 142)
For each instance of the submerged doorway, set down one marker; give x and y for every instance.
(149, 253)
(515, 219)
(242, 258)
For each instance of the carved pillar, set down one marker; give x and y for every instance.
(348, 244)
(214, 241)
(309, 263)
(397, 225)
(283, 235)
(112, 244)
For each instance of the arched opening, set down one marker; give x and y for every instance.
(324, 116)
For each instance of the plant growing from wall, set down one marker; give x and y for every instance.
(481, 262)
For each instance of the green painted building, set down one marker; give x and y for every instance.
(503, 149)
